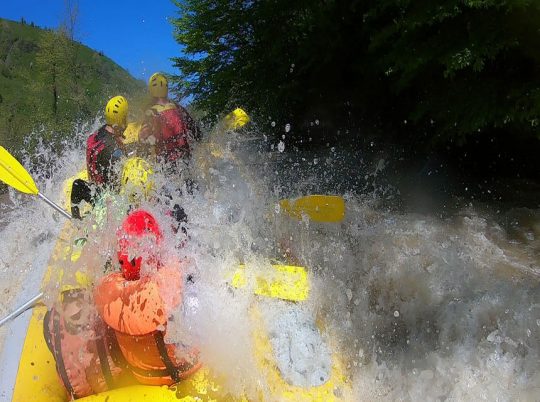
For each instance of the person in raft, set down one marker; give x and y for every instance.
(168, 127)
(86, 361)
(138, 301)
(104, 148)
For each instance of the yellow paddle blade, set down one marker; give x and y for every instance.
(131, 133)
(285, 282)
(15, 175)
(319, 208)
(236, 119)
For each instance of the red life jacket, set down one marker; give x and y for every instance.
(86, 360)
(101, 149)
(170, 128)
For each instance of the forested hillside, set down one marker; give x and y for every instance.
(48, 82)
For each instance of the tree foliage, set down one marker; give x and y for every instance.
(451, 67)
(53, 76)
(465, 65)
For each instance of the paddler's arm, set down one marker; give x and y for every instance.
(147, 142)
(193, 130)
(147, 138)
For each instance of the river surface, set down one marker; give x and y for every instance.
(419, 304)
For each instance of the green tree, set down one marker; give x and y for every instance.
(463, 66)
(52, 78)
(259, 55)
(56, 77)
(448, 68)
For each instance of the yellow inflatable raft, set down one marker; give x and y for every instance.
(37, 379)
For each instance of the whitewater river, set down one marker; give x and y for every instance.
(419, 305)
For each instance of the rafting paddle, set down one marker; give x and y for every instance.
(29, 304)
(15, 175)
(285, 282)
(319, 208)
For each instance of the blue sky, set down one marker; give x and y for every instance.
(135, 34)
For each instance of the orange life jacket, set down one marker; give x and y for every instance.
(138, 311)
(86, 360)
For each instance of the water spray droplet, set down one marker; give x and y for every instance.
(349, 294)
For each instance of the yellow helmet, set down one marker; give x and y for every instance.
(137, 180)
(116, 111)
(236, 119)
(158, 86)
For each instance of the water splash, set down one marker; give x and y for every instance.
(419, 306)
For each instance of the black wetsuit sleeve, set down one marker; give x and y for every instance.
(81, 191)
(107, 158)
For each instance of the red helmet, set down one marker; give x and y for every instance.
(139, 236)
